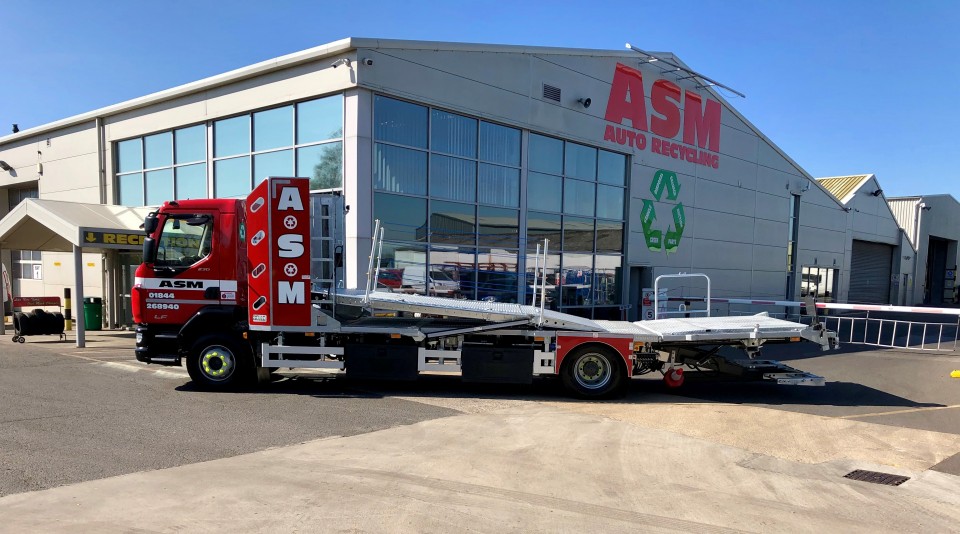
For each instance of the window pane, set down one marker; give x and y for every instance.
(451, 272)
(159, 150)
(609, 202)
(609, 236)
(499, 144)
(577, 234)
(231, 136)
(453, 178)
(399, 122)
(319, 120)
(575, 280)
(129, 156)
(542, 226)
(273, 128)
(544, 192)
(403, 267)
(272, 164)
(159, 187)
(499, 185)
(607, 280)
(191, 144)
(403, 218)
(612, 168)
(498, 227)
(323, 164)
(496, 277)
(130, 189)
(453, 223)
(546, 154)
(400, 170)
(231, 177)
(453, 134)
(578, 197)
(192, 181)
(581, 162)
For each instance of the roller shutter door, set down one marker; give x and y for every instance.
(870, 273)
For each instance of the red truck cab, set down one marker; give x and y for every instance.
(193, 278)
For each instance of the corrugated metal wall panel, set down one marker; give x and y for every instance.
(870, 269)
(904, 211)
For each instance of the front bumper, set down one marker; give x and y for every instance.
(157, 347)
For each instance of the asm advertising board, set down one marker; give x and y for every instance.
(278, 251)
(698, 118)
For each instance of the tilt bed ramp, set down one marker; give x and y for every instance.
(275, 313)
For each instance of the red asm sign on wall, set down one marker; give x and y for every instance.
(278, 249)
(699, 120)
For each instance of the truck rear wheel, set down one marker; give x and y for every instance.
(220, 363)
(594, 372)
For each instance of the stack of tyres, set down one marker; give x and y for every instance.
(37, 323)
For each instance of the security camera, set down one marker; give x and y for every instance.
(585, 102)
(367, 61)
(341, 61)
(5, 166)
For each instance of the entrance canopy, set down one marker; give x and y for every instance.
(55, 226)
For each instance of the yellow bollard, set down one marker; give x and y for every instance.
(67, 318)
(955, 374)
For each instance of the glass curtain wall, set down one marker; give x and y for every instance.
(303, 139)
(576, 199)
(447, 189)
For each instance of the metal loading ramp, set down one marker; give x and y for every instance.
(468, 309)
(682, 330)
(712, 328)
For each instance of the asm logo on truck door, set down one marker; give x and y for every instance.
(187, 284)
(278, 219)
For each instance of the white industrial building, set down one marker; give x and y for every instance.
(471, 155)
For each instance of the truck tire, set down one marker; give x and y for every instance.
(594, 372)
(220, 363)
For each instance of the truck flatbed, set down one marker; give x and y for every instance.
(675, 330)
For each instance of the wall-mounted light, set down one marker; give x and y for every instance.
(5, 166)
(39, 163)
(877, 193)
(585, 102)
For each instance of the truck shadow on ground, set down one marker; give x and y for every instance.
(696, 389)
(846, 394)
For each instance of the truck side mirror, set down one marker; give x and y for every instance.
(149, 250)
(150, 223)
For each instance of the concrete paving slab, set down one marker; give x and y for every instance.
(525, 468)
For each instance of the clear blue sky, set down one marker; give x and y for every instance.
(843, 87)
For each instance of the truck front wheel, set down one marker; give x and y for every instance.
(594, 372)
(220, 363)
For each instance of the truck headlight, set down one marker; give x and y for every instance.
(139, 338)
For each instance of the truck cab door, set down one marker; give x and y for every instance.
(187, 274)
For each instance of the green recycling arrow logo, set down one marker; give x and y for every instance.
(658, 240)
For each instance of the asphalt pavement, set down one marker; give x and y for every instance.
(87, 436)
(70, 415)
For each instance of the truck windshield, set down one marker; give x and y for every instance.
(184, 240)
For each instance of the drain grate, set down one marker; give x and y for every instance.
(876, 478)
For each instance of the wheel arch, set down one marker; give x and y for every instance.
(592, 342)
(218, 319)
